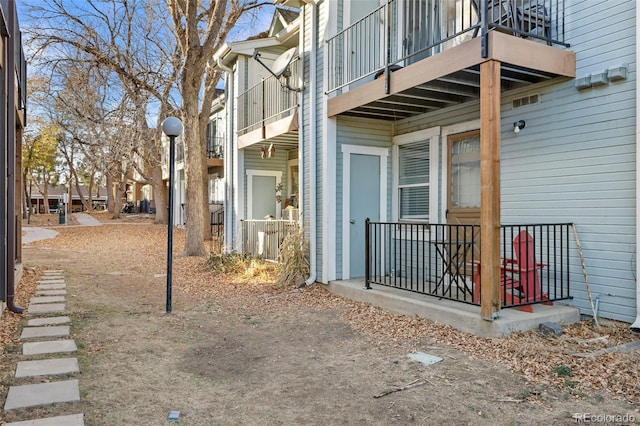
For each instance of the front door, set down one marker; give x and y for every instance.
(463, 195)
(364, 202)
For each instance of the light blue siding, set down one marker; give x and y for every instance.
(575, 159)
(358, 131)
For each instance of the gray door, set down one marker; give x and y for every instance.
(364, 203)
(263, 195)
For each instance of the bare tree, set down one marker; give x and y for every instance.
(133, 41)
(201, 27)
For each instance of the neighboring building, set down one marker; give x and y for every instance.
(262, 120)
(215, 138)
(469, 143)
(55, 197)
(13, 90)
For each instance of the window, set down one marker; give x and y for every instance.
(413, 180)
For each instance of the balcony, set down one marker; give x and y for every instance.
(412, 57)
(268, 111)
(215, 151)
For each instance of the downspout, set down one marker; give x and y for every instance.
(228, 164)
(636, 324)
(312, 146)
(11, 160)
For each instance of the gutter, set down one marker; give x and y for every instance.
(11, 160)
(313, 142)
(636, 324)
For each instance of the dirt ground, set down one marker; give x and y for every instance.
(238, 350)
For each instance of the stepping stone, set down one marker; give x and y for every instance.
(48, 321)
(42, 394)
(71, 420)
(46, 299)
(59, 286)
(52, 271)
(47, 367)
(45, 308)
(56, 281)
(49, 347)
(47, 331)
(60, 292)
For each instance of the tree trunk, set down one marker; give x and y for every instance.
(119, 195)
(159, 196)
(194, 236)
(110, 195)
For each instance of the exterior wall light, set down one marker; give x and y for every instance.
(518, 125)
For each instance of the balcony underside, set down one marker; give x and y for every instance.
(453, 77)
(282, 132)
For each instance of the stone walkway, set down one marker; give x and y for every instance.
(47, 353)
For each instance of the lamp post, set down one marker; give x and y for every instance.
(172, 127)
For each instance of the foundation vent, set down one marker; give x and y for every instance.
(527, 100)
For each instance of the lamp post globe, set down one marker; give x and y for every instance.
(172, 126)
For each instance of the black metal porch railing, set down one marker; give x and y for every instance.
(217, 226)
(444, 261)
(401, 32)
(262, 238)
(267, 101)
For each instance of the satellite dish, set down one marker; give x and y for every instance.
(281, 64)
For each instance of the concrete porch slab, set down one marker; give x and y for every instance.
(42, 394)
(70, 420)
(49, 347)
(461, 316)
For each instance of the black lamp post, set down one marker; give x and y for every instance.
(172, 127)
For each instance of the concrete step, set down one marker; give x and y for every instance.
(71, 420)
(47, 367)
(45, 308)
(51, 286)
(60, 292)
(46, 299)
(48, 321)
(45, 331)
(49, 347)
(42, 394)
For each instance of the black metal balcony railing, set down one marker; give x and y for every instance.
(444, 261)
(262, 238)
(268, 101)
(215, 147)
(401, 32)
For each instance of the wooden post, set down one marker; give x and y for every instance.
(490, 188)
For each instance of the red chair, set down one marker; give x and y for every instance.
(519, 277)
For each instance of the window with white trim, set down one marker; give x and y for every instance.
(413, 181)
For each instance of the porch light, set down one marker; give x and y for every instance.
(518, 125)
